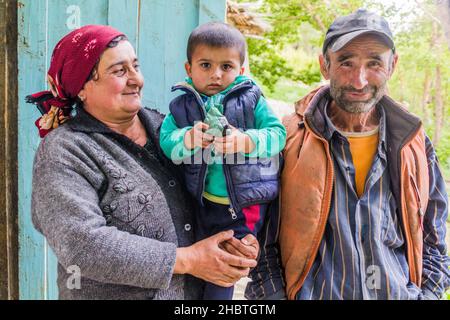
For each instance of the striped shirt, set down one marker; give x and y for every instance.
(362, 254)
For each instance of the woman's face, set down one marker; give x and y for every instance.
(114, 93)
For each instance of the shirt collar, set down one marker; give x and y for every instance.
(331, 131)
(85, 122)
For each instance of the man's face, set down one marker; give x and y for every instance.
(358, 73)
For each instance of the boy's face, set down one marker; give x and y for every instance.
(213, 69)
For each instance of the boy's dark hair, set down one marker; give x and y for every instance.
(219, 35)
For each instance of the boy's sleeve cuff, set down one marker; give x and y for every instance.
(180, 152)
(253, 134)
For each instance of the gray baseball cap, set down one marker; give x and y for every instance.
(346, 28)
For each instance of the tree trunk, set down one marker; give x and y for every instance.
(439, 108)
(316, 18)
(443, 7)
(428, 81)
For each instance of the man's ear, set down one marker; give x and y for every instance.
(187, 67)
(324, 67)
(241, 72)
(393, 64)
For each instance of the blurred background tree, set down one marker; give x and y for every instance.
(284, 61)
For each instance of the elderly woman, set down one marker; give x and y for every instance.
(104, 196)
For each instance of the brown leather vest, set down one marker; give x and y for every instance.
(307, 182)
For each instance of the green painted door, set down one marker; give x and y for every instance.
(157, 28)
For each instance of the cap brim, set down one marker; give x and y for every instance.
(343, 40)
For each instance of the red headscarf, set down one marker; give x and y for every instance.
(71, 64)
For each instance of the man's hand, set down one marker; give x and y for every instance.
(235, 142)
(196, 137)
(246, 247)
(206, 260)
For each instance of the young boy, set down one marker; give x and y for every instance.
(226, 136)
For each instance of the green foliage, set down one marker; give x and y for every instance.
(419, 56)
(443, 154)
(267, 64)
(293, 25)
(285, 61)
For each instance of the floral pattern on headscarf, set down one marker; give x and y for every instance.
(71, 63)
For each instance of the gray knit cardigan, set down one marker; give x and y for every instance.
(112, 210)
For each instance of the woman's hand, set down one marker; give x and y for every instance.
(246, 247)
(235, 142)
(196, 137)
(208, 261)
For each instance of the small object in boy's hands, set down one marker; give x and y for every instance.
(226, 130)
(225, 125)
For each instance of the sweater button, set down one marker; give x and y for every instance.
(172, 183)
(187, 227)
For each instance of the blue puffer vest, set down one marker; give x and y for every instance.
(249, 180)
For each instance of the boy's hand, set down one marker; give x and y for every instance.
(247, 247)
(235, 142)
(196, 137)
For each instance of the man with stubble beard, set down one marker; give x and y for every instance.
(363, 201)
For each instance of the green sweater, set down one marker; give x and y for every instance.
(269, 137)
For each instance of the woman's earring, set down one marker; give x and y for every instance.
(81, 98)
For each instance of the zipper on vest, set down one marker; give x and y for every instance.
(226, 169)
(203, 175)
(231, 195)
(232, 213)
(188, 89)
(200, 103)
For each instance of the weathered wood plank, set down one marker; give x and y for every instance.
(151, 51)
(8, 151)
(211, 10)
(3, 100)
(124, 15)
(31, 77)
(181, 19)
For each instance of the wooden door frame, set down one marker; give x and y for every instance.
(9, 284)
